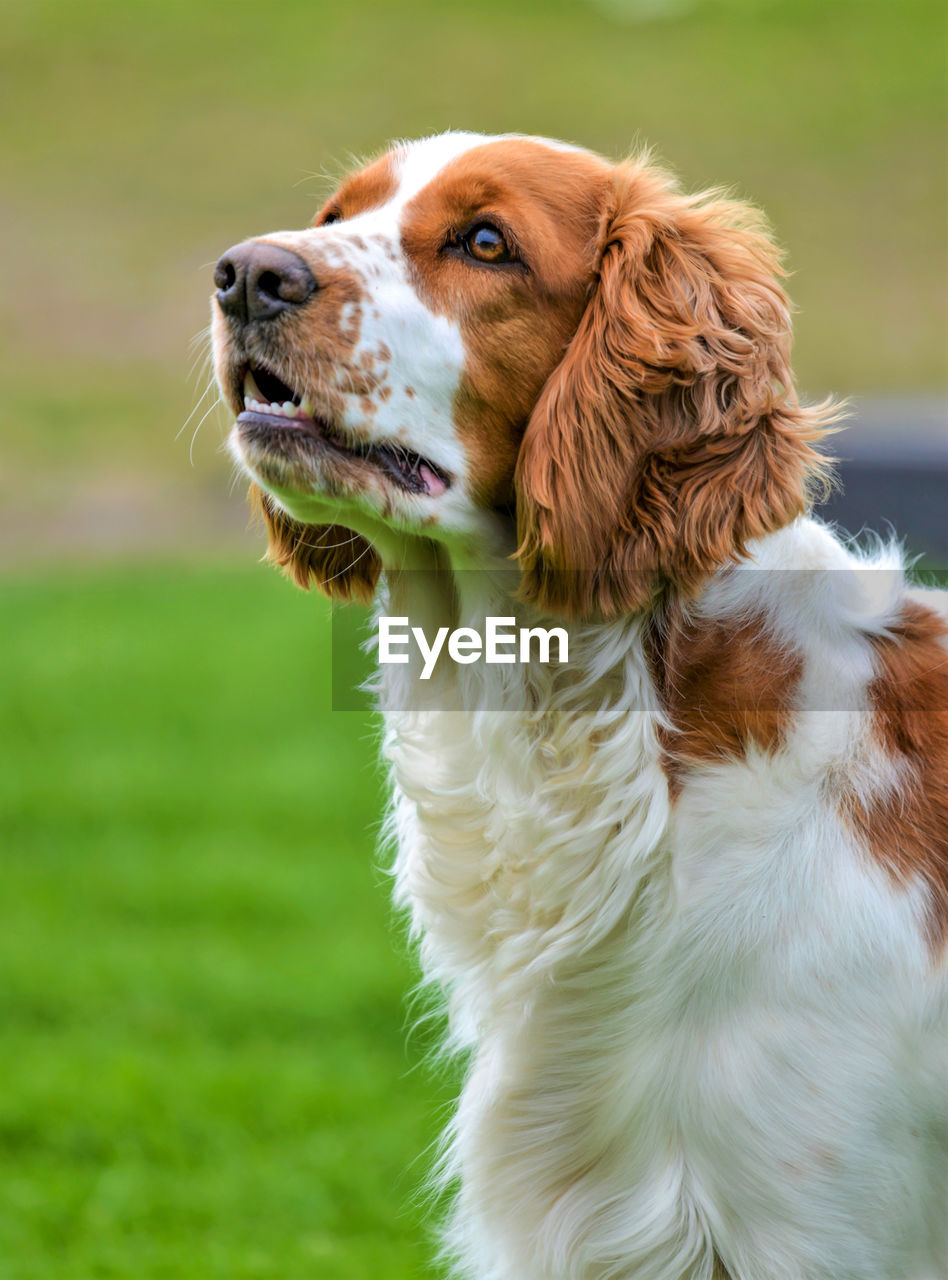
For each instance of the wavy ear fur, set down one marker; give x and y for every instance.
(337, 561)
(670, 433)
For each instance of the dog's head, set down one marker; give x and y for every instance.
(475, 327)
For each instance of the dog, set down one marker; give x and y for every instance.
(686, 895)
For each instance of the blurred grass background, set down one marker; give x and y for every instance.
(203, 1068)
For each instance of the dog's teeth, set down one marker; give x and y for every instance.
(273, 409)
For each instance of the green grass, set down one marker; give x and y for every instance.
(205, 1066)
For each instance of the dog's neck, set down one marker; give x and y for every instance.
(452, 584)
(516, 845)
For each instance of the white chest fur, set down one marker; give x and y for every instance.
(694, 1033)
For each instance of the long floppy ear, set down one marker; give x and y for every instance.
(670, 433)
(339, 562)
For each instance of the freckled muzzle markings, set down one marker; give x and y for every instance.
(377, 362)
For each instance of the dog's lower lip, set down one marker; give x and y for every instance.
(421, 477)
(282, 420)
(302, 423)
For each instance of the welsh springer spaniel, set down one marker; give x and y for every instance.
(686, 895)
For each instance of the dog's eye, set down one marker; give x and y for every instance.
(331, 215)
(485, 243)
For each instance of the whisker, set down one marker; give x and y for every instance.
(202, 358)
(219, 400)
(311, 175)
(346, 568)
(327, 546)
(197, 406)
(202, 335)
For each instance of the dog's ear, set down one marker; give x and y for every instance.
(670, 433)
(337, 561)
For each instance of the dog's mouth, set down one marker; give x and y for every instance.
(270, 402)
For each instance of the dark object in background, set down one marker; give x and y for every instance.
(893, 471)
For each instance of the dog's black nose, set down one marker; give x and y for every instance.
(256, 281)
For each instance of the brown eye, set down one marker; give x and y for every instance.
(331, 215)
(485, 243)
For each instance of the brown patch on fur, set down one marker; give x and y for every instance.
(366, 189)
(906, 830)
(516, 321)
(340, 563)
(725, 685)
(669, 434)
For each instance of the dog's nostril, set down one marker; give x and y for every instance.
(257, 281)
(224, 274)
(268, 284)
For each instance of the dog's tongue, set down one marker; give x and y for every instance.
(434, 484)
